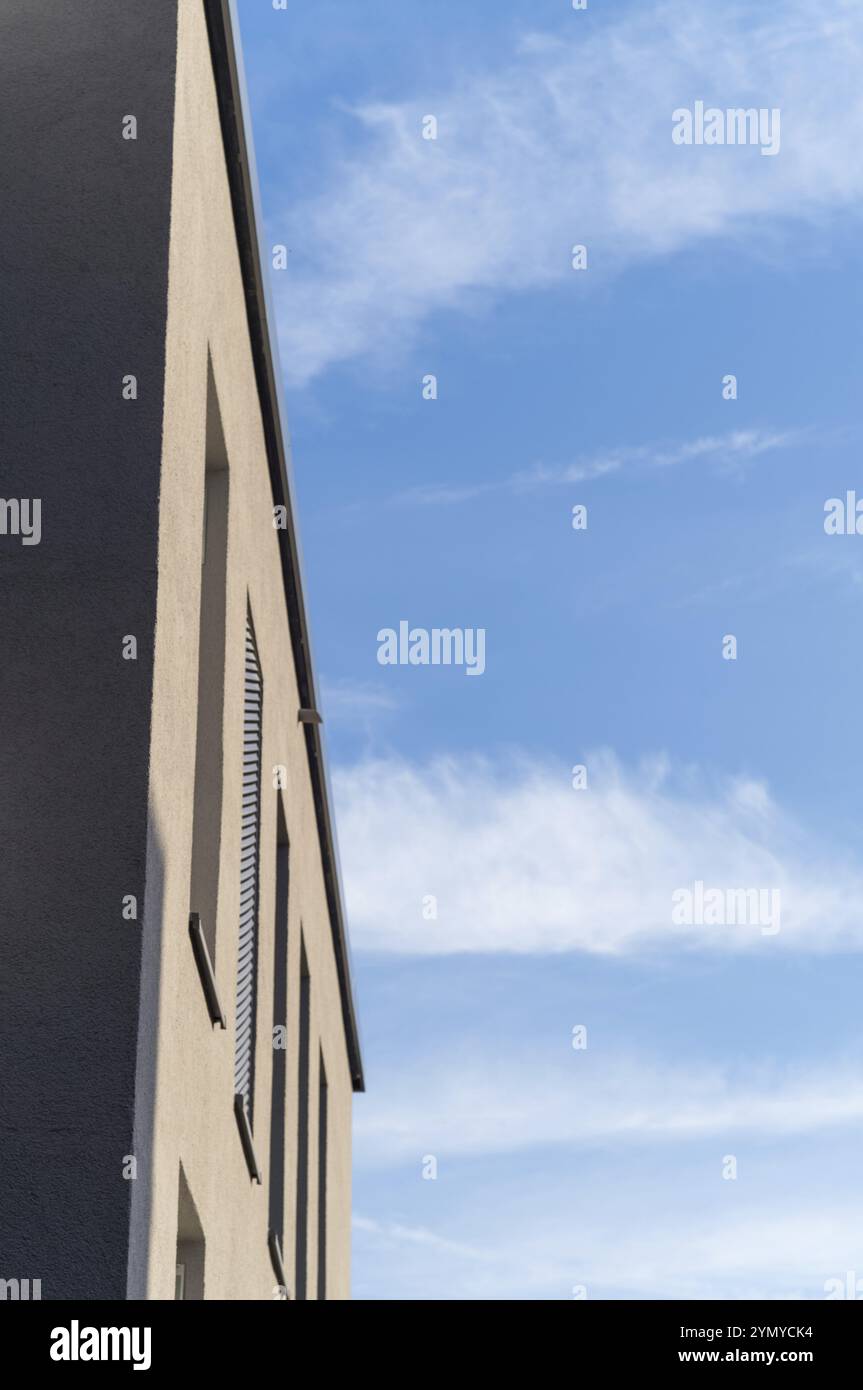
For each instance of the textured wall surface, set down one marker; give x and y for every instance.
(106, 1048)
(185, 1113)
(83, 288)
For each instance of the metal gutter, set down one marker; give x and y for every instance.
(224, 32)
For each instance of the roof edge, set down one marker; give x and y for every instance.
(226, 52)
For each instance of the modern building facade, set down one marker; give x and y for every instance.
(178, 1041)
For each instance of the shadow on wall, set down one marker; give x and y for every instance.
(152, 926)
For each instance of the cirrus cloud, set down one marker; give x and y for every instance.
(518, 861)
(569, 141)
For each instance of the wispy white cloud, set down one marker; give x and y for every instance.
(773, 1248)
(475, 1102)
(518, 861)
(349, 699)
(543, 1139)
(395, 1232)
(570, 142)
(729, 452)
(361, 708)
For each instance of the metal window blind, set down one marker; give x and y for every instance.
(247, 964)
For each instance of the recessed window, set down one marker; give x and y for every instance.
(302, 1253)
(280, 1027)
(323, 1118)
(189, 1281)
(207, 824)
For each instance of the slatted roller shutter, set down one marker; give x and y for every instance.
(247, 965)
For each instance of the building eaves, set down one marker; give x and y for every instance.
(226, 52)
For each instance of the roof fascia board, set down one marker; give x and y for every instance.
(225, 48)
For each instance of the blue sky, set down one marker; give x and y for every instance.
(597, 1169)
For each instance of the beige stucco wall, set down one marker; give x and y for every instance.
(184, 1104)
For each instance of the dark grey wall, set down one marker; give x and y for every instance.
(83, 287)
